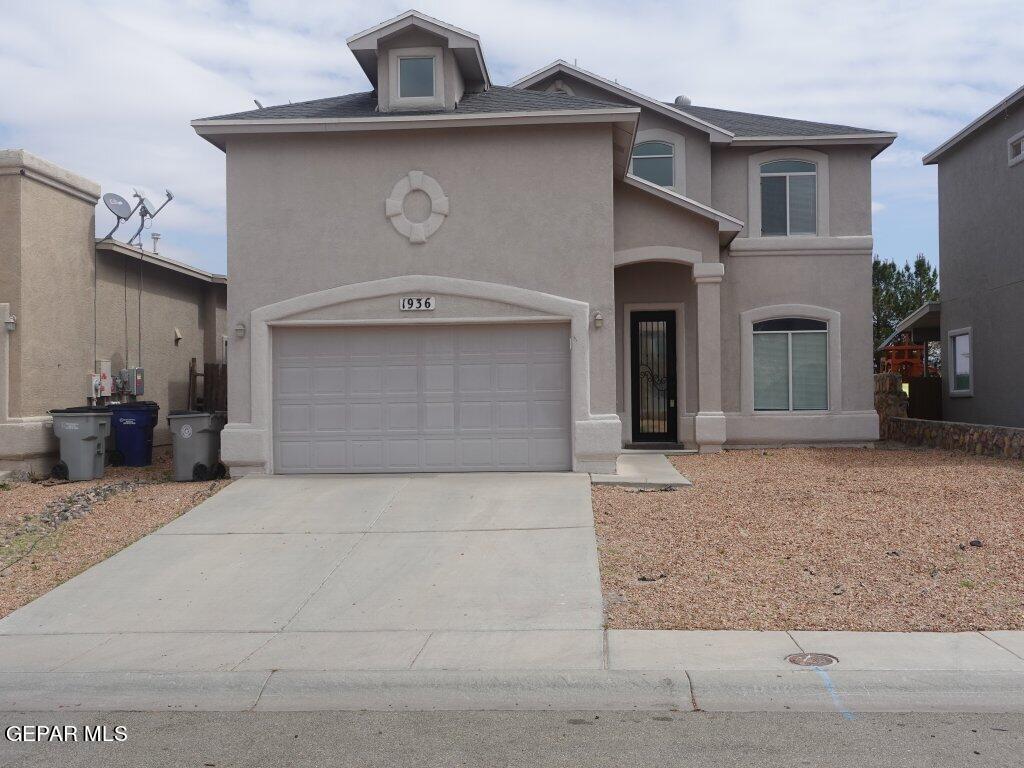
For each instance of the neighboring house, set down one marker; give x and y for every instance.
(981, 269)
(76, 300)
(446, 274)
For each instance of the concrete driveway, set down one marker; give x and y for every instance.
(473, 571)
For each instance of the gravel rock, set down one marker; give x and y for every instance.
(763, 539)
(50, 532)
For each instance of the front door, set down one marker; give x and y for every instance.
(652, 339)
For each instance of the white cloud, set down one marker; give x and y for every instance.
(877, 207)
(107, 88)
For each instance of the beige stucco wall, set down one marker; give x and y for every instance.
(841, 283)
(530, 207)
(52, 346)
(696, 145)
(849, 186)
(641, 219)
(48, 265)
(169, 300)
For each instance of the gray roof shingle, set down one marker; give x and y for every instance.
(749, 124)
(497, 99)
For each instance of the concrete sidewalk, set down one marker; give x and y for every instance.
(644, 470)
(497, 670)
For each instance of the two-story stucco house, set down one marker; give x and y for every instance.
(443, 274)
(981, 268)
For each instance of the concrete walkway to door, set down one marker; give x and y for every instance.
(337, 573)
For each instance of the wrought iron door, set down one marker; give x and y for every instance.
(653, 376)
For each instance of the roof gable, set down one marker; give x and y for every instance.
(970, 128)
(464, 45)
(717, 134)
(722, 126)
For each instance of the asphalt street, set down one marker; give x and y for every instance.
(492, 739)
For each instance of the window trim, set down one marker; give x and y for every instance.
(678, 142)
(787, 175)
(821, 188)
(951, 371)
(395, 98)
(831, 317)
(1016, 138)
(789, 351)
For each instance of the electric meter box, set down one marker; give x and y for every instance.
(133, 380)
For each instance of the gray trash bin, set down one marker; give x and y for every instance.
(83, 440)
(196, 438)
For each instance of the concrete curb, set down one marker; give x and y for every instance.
(846, 693)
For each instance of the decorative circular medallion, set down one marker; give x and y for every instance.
(394, 206)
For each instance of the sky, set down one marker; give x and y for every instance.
(107, 89)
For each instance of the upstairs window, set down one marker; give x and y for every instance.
(791, 365)
(1016, 149)
(654, 161)
(416, 77)
(789, 198)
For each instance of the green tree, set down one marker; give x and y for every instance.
(898, 291)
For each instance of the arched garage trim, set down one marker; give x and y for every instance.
(651, 253)
(595, 437)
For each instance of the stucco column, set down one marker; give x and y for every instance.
(709, 425)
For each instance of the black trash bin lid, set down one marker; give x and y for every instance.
(82, 409)
(138, 404)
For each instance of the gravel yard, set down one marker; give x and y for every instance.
(52, 532)
(889, 539)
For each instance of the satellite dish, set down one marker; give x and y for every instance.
(148, 207)
(117, 205)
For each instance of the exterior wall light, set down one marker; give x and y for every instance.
(598, 320)
(240, 330)
(11, 323)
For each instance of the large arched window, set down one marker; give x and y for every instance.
(654, 161)
(791, 365)
(789, 198)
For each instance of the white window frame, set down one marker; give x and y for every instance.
(951, 337)
(787, 175)
(821, 188)
(789, 350)
(1015, 139)
(678, 143)
(395, 98)
(832, 320)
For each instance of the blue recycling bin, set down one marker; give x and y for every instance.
(132, 425)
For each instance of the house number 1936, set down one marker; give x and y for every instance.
(417, 303)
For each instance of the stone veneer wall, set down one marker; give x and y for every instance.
(979, 439)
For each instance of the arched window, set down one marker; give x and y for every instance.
(791, 365)
(654, 161)
(789, 198)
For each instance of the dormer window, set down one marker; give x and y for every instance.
(416, 77)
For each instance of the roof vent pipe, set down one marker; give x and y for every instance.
(682, 101)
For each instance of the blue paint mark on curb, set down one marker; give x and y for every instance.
(836, 700)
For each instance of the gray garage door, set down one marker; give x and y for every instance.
(422, 399)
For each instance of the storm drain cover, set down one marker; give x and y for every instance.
(812, 659)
